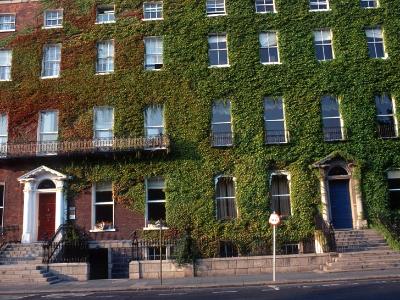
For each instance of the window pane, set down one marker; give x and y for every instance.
(104, 213)
(104, 118)
(384, 105)
(156, 194)
(49, 122)
(104, 196)
(152, 10)
(263, 6)
(369, 3)
(105, 14)
(215, 7)
(3, 125)
(156, 211)
(394, 183)
(330, 107)
(225, 187)
(226, 208)
(1, 196)
(221, 111)
(394, 198)
(331, 123)
(273, 108)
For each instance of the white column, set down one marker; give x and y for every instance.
(59, 204)
(28, 225)
(324, 196)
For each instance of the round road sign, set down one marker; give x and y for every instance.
(274, 219)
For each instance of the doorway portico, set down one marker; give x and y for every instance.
(44, 203)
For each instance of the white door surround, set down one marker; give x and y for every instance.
(325, 166)
(31, 181)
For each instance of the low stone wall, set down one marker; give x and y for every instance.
(70, 271)
(230, 266)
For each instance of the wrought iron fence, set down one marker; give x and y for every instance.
(149, 249)
(276, 136)
(28, 149)
(9, 234)
(222, 139)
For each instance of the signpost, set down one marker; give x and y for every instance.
(159, 224)
(274, 220)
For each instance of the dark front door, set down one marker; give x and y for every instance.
(339, 196)
(47, 211)
(98, 260)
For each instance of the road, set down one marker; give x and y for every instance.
(381, 290)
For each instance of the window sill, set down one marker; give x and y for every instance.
(103, 230)
(109, 22)
(216, 15)
(51, 27)
(5, 80)
(271, 63)
(153, 70)
(266, 12)
(218, 66)
(49, 77)
(8, 30)
(379, 58)
(154, 227)
(103, 73)
(277, 143)
(315, 10)
(389, 138)
(155, 19)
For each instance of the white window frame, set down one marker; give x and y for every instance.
(7, 65)
(270, 47)
(56, 61)
(11, 23)
(218, 36)
(216, 179)
(276, 120)
(221, 123)
(94, 204)
(393, 115)
(60, 16)
(338, 117)
(47, 147)
(148, 225)
(162, 126)
(212, 4)
(108, 10)
(110, 56)
(370, 7)
(157, 10)
(265, 5)
(393, 174)
(158, 54)
(289, 179)
(102, 141)
(4, 200)
(3, 146)
(323, 43)
(385, 56)
(319, 3)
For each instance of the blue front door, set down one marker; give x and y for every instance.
(339, 196)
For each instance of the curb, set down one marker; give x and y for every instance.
(134, 288)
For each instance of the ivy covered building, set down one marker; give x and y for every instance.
(206, 114)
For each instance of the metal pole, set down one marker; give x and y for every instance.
(274, 254)
(160, 252)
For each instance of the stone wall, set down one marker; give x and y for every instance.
(70, 271)
(230, 266)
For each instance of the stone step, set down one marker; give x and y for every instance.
(369, 253)
(363, 267)
(341, 263)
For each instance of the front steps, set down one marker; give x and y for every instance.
(362, 250)
(22, 263)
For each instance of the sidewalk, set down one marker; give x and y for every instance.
(199, 282)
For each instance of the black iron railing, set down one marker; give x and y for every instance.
(392, 224)
(59, 148)
(387, 131)
(332, 134)
(276, 136)
(149, 249)
(222, 139)
(66, 245)
(329, 245)
(9, 234)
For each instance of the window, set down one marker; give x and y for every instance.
(51, 61)
(394, 189)
(154, 121)
(152, 10)
(217, 50)
(323, 44)
(103, 207)
(269, 53)
(5, 65)
(105, 57)
(105, 14)
(53, 18)
(104, 125)
(221, 125)
(331, 120)
(1, 204)
(155, 200)
(3, 134)
(265, 6)
(274, 121)
(319, 4)
(376, 48)
(280, 194)
(225, 198)
(153, 53)
(48, 132)
(7, 22)
(369, 3)
(215, 7)
(385, 116)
